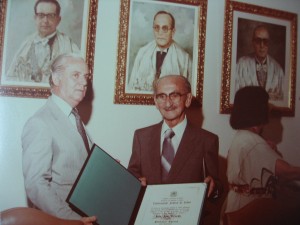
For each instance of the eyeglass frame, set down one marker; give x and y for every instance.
(258, 41)
(173, 97)
(164, 28)
(50, 16)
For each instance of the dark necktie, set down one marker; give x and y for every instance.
(81, 129)
(160, 56)
(168, 154)
(50, 43)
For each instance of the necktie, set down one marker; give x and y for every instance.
(160, 56)
(81, 129)
(261, 70)
(168, 153)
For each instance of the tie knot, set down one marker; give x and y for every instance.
(161, 53)
(169, 133)
(75, 112)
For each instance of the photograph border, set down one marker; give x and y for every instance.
(44, 92)
(121, 97)
(230, 8)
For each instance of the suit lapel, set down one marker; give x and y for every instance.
(67, 128)
(185, 149)
(154, 150)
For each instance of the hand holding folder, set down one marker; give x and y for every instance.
(108, 190)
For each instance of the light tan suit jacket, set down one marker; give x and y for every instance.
(53, 154)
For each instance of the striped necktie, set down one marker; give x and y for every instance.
(81, 129)
(168, 153)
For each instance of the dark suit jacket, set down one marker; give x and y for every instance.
(197, 145)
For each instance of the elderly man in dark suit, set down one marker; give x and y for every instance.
(189, 154)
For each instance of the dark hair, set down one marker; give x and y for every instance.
(250, 107)
(48, 1)
(165, 12)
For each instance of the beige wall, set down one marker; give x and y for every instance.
(112, 126)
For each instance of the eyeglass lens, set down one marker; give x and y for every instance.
(174, 96)
(43, 15)
(165, 29)
(264, 41)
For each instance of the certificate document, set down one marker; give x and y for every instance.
(106, 189)
(172, 204)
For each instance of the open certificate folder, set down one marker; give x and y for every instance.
(106, 189)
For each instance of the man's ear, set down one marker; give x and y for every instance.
(173, 32)
(188, 100)
(156, 105)
(58, 21)
(55, 79)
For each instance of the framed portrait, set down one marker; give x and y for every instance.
(32, 36)
(260, 47)
(149, 30)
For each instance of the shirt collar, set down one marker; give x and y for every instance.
(261, 63)
(157, 49)
(63, 105)
(44, 40)
(178, 129)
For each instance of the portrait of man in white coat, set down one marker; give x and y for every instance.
(34, 41)
(264, 63)
(164, 51)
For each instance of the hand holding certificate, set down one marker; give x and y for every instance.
(106, 189)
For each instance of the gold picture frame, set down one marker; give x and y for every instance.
(79, 25)
(134, 35)
(240, 21)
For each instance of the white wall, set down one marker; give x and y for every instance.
(111, 125)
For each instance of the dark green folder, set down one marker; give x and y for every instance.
(105, 188)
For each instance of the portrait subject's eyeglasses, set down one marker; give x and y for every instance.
(258, 41)
(165, 29)
(77, 76)
(50, 16)
(174, 97)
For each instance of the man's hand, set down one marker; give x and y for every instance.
(88, 220)
(211, 185)
(143, 181)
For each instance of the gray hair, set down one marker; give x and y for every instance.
(187, 84)
(59, 64)
(260, 27)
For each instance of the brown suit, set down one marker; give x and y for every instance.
(196, 145)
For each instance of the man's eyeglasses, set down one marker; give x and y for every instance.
(258, 41)
(174, 97)
(76, 76)
(50, 16)
(165, 29)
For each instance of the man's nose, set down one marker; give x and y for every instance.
(169, 101)
(83, 80)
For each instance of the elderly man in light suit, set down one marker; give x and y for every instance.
(53, 149)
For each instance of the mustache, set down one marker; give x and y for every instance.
(169, 108)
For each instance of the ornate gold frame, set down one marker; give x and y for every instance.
(291, 18)
(121, 97)
(44, 92)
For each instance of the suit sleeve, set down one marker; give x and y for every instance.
(211, 160)
(37, 170)
(134, 165)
